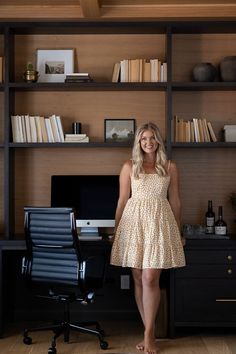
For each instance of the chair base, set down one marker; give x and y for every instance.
(65, 328)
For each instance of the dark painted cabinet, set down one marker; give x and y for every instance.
(204, 292)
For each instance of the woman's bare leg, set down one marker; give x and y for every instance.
(151, 300)
(138, 293)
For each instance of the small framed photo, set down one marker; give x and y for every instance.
(54, 64)
(119, 130)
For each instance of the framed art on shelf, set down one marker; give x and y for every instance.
(54, 64)
(119, 130)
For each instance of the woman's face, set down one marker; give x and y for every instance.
(148, 142)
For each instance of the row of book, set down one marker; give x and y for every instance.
(140, 70)
(195, 130)
(37, 129)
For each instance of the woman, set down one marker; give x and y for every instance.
(147, 231)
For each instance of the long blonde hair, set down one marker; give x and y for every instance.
(138, 153)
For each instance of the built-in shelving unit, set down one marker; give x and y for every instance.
(27, 167)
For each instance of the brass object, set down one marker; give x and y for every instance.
(229, 257)
(225, 300)
(30, 76)
(230, 271)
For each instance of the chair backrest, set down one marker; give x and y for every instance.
(52, 244)
(53, 252)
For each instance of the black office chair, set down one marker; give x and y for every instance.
(53, 258)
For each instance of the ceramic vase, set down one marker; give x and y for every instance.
(228, 68)
(204, 72)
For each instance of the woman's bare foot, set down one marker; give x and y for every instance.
(140, 346)
(150, 346)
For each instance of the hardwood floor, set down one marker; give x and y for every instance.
(122, 338)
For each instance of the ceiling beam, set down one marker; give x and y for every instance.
(169, 9)
(116, 9)
(90, 8)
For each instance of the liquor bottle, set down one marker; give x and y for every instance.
(210, 219)
(220, 224)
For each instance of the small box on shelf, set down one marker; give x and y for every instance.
(230, 133)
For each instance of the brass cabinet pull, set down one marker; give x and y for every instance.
(229, 257)
(225, 300)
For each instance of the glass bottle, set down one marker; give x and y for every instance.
(210, 219)
(220, 224)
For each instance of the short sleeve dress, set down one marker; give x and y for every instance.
(147, 235)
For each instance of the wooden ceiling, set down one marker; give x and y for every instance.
(116, 9)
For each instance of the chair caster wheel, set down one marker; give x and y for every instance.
(103, 345)
(52, 350)
(27, 340)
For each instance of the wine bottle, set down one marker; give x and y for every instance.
(210, 219)
(220, 224)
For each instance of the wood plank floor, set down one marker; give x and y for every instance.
(122, 338)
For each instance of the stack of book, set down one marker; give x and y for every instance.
(76, 138)
(140, 70)
(78, 78)
(197, 130)
(37, 129)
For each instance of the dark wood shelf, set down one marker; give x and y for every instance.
(70, 145)
(89, 86)
(124, 26)
(204, 86)
(83, 26)
(218, 144)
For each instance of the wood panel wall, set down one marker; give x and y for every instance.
(52, 9)
(36, 166)
(190, 50)
(95, 54)
(205, 173)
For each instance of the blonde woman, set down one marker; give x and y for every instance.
(147, 232)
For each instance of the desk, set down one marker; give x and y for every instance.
(7, 245)
(115, 302)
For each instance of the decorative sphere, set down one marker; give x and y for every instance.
(228, 68)
(204, 72)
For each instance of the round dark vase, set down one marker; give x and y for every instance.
(228, 69)
(204, 72)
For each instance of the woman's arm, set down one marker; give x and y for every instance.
(125, 187)
(173, 193)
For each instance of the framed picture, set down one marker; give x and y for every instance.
(54, 64)
(119, 130)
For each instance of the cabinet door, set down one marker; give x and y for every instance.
(205, 300)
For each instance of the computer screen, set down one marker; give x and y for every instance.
(94, 198)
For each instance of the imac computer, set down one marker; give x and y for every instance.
(94, 199)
